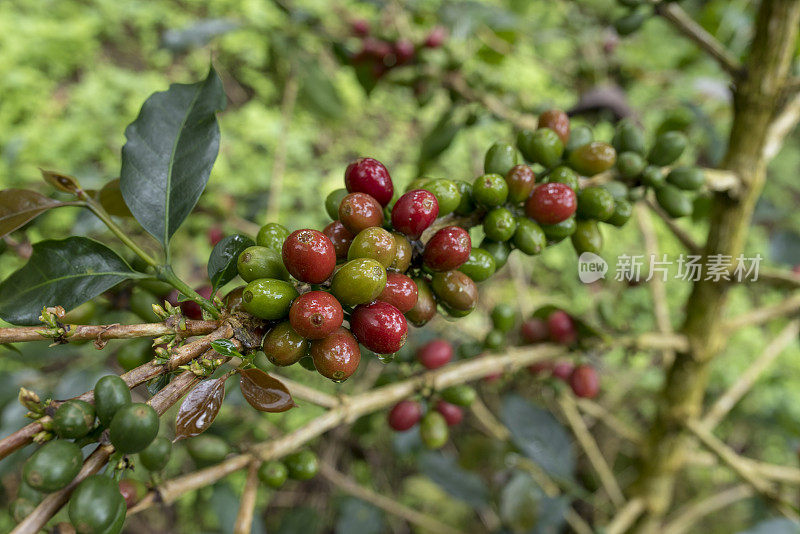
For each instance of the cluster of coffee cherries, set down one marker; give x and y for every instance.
(379, 54)
(444, 409)
(640, 168)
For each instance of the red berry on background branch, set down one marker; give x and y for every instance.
(368, 175)
(215, 235)
(563, 370)
(359, 27)
(435, 354)
(359, 211)
(551, 203)
(534, 331)
(540, 368)
(336, 356)
(584, 381)
(400, 291)
(448, 249)
(191, 309)
(315, 314)
(404, 415)
(380, 327)
(436, 37)
(452, 414)
(414, 212)
(404, 51)
(309, 256)
(562, 328)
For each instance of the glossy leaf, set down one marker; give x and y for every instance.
(199, 409)
(264, 393)
(65, 272)
(110, 197)
(170, 149)
(20, 206)
(226, 348)
(157, 384)
(222, 262)
(62, 182)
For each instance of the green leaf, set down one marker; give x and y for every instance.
(525, 508)
(774, 526)
(65, 272)
(438, 139)
(461, 484)
(318, 93)
(222, 262)
(20, 206)
(539, 436)
(226, 348)
(170, 149)
(356, 515)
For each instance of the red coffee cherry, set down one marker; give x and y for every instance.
(379, 326)
(551, 203)
(215, 235)
(452, 414)
(435, 354)
(448, 249)
(340, 237)
(436, 37)
(556, 120)
(359, 211)
(404, 415)
(584, 381)
(400, 291)
(191, 309)
(521, 180)
(404, 51)
(563, 370)
(414, 212)
(540, 368)
(337, 355)
(359, 27)
(534, 331)
(368, 175)
(376, 48)
(309, 256)
(562, 328)
(315, 314)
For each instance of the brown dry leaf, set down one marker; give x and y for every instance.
(199, 408)
(265, 393)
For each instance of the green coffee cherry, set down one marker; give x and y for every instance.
(332, 202)
(678, 119)
(686, 178)
(578, 137)
(495, 340)
(110, 394)
(529, 237)
(499, 250)
(466, 205)
(460, 395)
(557, 232)
(302, 465)
(207, 449)
(52, 466)
(480, 265)
(499, 224)
(617, 189)
(622, 213)
(268, 298)
(20, 509)
(133, 354)
(133, 427)
(504, 317)
(628, 24)
(447, 195)
(564, 175)
(542, 146)
(433, 430)
(490, 190)
(595, 203)
(358, 281)
(73, 419)
(499, 159)
(674, 201)
(630, 165)
(272, 235)
(95, 504)
(155, 456)
(273, 474)
(653, 176)
(668, 147)
(593, 158)
(628, 138)
(261, 262)
(587, 237)
(375, 243)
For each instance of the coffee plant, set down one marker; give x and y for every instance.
(362, 299)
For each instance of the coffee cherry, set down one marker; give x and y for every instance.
(131, 490)
(215, 235)
(504, 316)
(499, 224)
(540, 368)
(556, 120)
(261, 262)
(563, 175)
(584, 381)
(52, 466)
(563, 370)
(207, 449)
(95, 505)
(447, 249)
(425, 308)
(674, 201)
(367, 175)
(309, 256)
(454, 313)
(132, 355)
(456, 290)
(495, 340)
(359, 281)
(73, 419)
(404, 415)
(191, 309)
(628, 138)
(272, 235)
(414, 212)
(403, 253)
(156, 455)
(268, 298)
(579, 135)
(592, 158)
(379, 326)
(302, 465)
(460, 395)
(133, 427)
(490, 190)
(404, 50)
(587, 237)
(617, 189)
(435, 354)
(332, 203)
(466, 205)
(400, 291)
(447, 194)
(557, 232)
(110, 394)
(283, 346)
(359, 27)
(529, 237)
(562, 328)
(21, 508)
(340, 237)
(551, 203)
(479, 266)
(273, 474)
(500, 158)
(595, 203)
(359, 211)
(668, 147)
(534, 330)
(622, 212)
(315, 314)
(433, 430)
(542, 146)
(630, 165)
(436, 37)
(452, 414)
(336, 356)
(687, 178)
(653, 176)
(498, 250)
(521, 180)
(233, 300)
(375, 243)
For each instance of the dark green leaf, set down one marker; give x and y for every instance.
(774, 526)
(525, 508)
(11, 347)
(358, 516)
(784, 247)
(438, 139)
(539, 436)
(300, 519)
(196, 35)
(157, 384)
(222, 262)
(170, 149)
(66, 273)
(461, 484)
(20, 206)
(110, 197)
(318, 93)
(226, 348)
(366, 77)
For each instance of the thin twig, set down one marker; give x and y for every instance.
(597, 411)
(244, 519)
(687, 517)
(627, 515)
(307, 393)
(788, 306)
(457, 83)
(682, 235)
(779, 277)
(76, 332)
(487, 419)
(782, 126)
